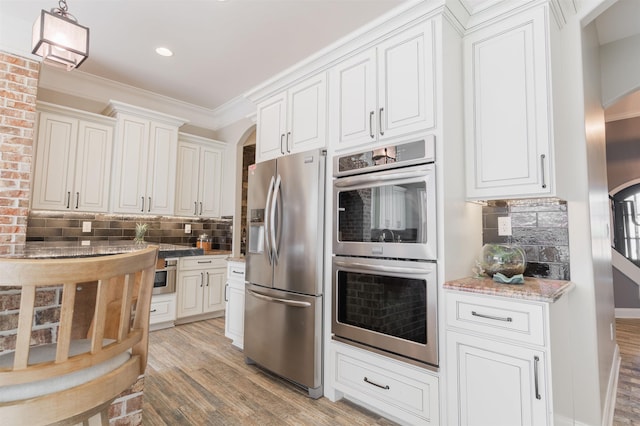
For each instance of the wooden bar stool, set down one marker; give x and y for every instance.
(74, 380)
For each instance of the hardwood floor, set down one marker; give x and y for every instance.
(628, 397)
(195, 377)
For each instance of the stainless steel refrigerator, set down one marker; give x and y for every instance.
(284, 267)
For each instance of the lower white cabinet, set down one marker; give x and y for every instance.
(200, 286)
(163, 311)
(499, 357)
(403, 392)
(234, 297)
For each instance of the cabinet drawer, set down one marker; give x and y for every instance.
(163, 308)
(235, 272)
(202, 262)
(405, 392)
(506, 318)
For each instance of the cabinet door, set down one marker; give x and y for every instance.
(507, 103)
(161, 175)
(353, 100)
(55, 162)
(214, 289)
(271, 128)
(234, 315)
(190, 291)
(406, 82)
(307, 115)
(210, 182)
(93, 167)
(493, 383)
(187, 179)
(131, 165)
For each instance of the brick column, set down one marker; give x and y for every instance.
(18, 88)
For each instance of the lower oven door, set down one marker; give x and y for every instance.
(388, 305)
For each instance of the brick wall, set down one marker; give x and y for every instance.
(18, 88)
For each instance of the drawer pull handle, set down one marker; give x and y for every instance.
(375, 384)
(204, 261)
(536, 360)
(154, 310)
(505, 319)
(238, 272)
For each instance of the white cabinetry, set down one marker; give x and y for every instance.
(390, 207)
(199, 181)
(508, 129)
(163, 311)
(234, 296)
(294, 120)
(145, 160)
(386, 91)
(500, 353)
(404, 392)
(73, 160)
(200, 286)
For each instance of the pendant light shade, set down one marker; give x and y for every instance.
(59, 39)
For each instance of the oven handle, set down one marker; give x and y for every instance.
(374, 178)
(381, 268)
(288, 302)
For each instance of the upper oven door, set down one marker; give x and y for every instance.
(390, 213)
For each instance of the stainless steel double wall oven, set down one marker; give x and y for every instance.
(384, 243)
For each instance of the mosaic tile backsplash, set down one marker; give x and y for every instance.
(540, 227)
(62, 226)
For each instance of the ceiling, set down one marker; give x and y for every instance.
(224, 48)
(221, 48)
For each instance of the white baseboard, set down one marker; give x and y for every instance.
(627, 312)
(612, 389)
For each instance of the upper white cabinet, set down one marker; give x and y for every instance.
(145, 160)
(199, 180)
(386, 91)
(509, 139)
(73, 161)
(294, 120)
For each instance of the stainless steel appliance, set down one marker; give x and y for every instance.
(165, 280)
(386, 204)
(284, 267)
(390, 305)
(384, 240)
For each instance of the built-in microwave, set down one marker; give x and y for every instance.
(165, 279)
(385, 202)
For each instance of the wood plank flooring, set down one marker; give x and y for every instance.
(195, 377)
(628, 397)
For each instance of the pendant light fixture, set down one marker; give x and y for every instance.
(59, 39)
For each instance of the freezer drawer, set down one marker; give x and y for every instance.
(283, 333)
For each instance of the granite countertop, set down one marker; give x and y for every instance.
(538, 289)
(66, 249)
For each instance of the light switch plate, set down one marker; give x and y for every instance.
(86, 226)
(504, 225)
(187, 228)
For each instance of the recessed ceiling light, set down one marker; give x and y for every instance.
(163, 51)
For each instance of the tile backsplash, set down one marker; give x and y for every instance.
(540, 227)
(63, 226)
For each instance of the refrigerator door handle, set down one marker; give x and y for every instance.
(267, 242)
(294, 303)
(272, 219)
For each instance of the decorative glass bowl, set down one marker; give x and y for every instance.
(509, 260)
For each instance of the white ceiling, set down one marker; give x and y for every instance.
(221, 49)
